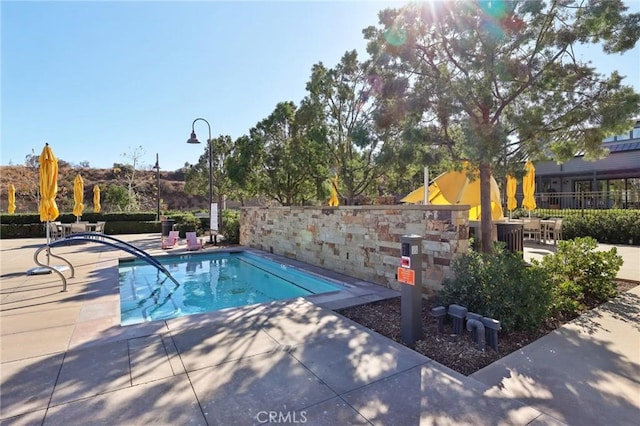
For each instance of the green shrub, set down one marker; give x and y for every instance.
(500, 286)
(580, 274)
(231, 226)
(187, 222)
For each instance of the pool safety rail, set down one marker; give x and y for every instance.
(96, 237)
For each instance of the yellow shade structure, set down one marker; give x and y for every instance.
(512, 203)
(48, 185)
(11, 199)
(333, 201)
(96, 199)
(456, 188)
(529, 187)
(78, 196)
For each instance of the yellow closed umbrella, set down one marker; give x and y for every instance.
(48, 185)
(78, 196)
(529, 187)
(333, 201)
(11, 198)
(512, 203)
(96, 199)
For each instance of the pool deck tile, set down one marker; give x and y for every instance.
(244, 388)
(425, 394)
(33, 343)
(149, 359)
(31, 381)
(200, 349)
(92, 371)
(170, 401)
(334, 411)
(349, 361)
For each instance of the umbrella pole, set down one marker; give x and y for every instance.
(48, 236)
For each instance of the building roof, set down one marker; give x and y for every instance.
(619, 146)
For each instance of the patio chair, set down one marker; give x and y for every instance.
(192, 241)
(55, 230)
(77, 227)
(555, 232)
(532, 228)
(172, 240)
(99, 228)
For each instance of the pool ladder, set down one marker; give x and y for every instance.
(96, 237)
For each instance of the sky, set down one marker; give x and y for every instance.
(97, 80)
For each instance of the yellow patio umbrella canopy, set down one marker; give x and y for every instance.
(512, 203)
(48, 185)
(78, 196)
(333, 201)
(456, 188)
(529, 187)
(11, 198)
(96, 199)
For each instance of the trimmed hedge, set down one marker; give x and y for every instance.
(28, 225)
(31, 218)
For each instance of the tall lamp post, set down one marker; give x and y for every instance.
(157, 169)
(194, 139)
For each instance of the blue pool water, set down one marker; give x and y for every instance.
(208, 282)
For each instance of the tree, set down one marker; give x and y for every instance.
(345, 96)
(128, 171)
(116, 197)
(30, 184)
(281, 158)
(501, 79)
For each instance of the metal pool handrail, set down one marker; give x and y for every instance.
(49, 254)
(97, 237)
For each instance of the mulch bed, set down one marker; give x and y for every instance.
(458, 352)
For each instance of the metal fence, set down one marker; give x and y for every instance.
(618, 199)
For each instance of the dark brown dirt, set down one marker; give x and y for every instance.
(457, 352)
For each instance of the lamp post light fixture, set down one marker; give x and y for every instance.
(157, 169)
(194, 140)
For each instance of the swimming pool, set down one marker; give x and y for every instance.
(209, 282)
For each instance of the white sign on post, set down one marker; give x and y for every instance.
(213, 220)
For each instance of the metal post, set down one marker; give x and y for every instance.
(410, 274)
(157, 167)
(194, 139)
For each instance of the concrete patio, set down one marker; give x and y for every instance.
(66, 360)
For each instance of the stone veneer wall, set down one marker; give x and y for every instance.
(361, 241)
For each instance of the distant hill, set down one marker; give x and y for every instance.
(26, 181)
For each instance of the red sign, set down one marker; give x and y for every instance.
(407, 276)
(405, 262)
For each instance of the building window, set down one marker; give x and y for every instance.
(617, 195)
(635, 133)
(623, 137)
